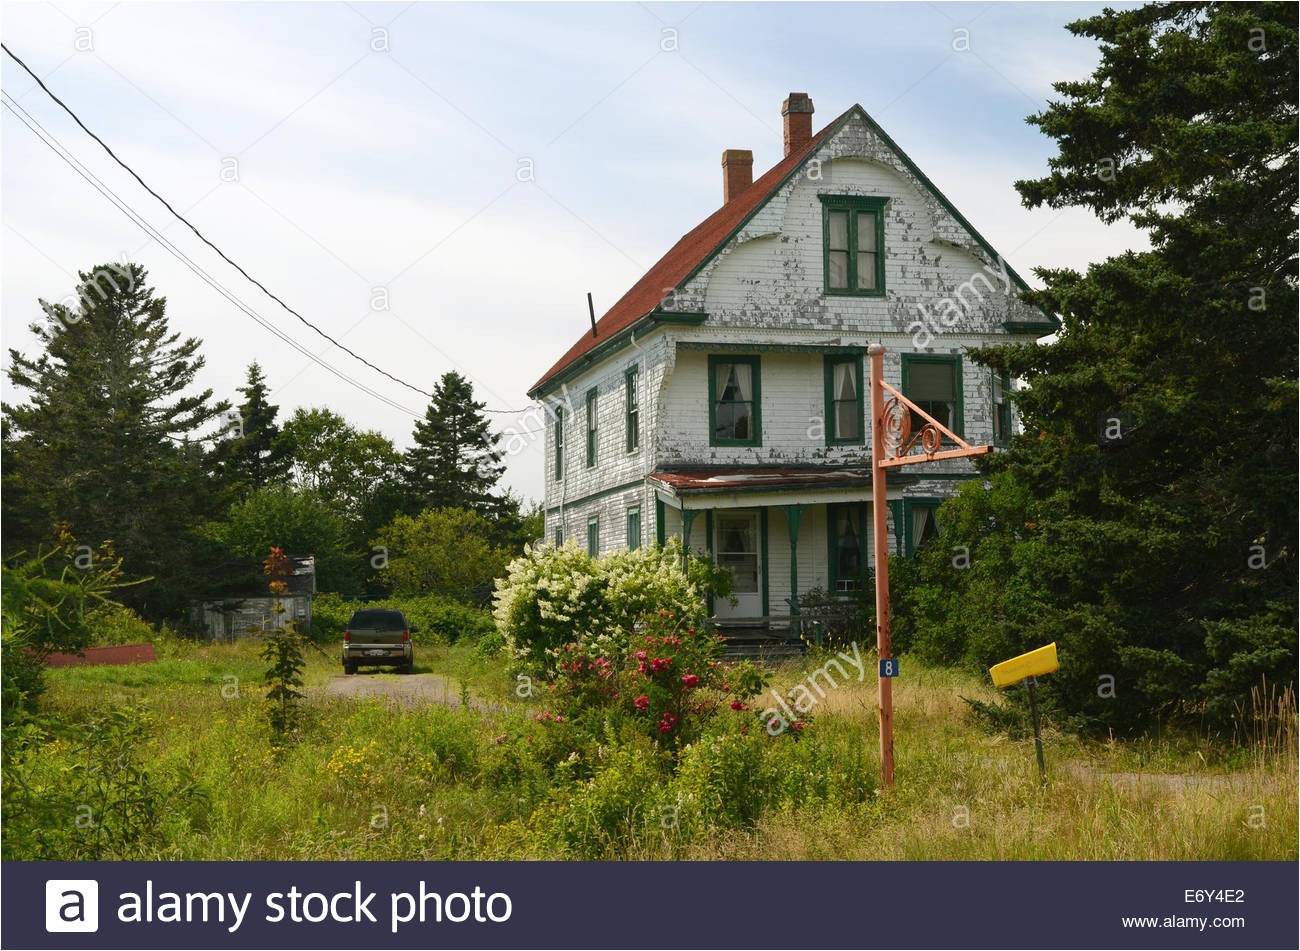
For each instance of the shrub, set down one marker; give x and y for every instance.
(115, 624)
(556, 596)
(445, 550)
(48, 598)
(666, 685)
(92, 798)
(437, 620)
(606, 816)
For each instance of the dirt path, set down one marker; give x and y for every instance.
(405, 689)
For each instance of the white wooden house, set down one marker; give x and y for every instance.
(721, 399)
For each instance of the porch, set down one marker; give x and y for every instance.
(783, 535)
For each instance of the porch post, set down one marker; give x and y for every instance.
(688, 519)
(881, 538)
(793, 513)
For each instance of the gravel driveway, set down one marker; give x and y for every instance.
(406, 689)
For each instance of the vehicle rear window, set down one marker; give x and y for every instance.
(377, 618)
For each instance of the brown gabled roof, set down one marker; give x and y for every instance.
(685, 256)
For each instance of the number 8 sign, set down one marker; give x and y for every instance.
(889, 667)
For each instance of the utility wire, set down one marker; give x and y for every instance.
(59, 149)
(201, 237)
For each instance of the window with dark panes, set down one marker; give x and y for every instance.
(934, 384)
(592, 422)
(848, 555)
(633, 408)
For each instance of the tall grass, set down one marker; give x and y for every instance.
(369, 779)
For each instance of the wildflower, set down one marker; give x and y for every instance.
(642, 703)
(691, 681)
(739, 705)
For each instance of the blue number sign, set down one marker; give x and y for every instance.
(889, 667)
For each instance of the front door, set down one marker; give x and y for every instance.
(736, 548)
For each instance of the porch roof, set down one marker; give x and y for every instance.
(692, 482)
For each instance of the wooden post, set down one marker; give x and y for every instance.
(1032, 684)
(881, 536)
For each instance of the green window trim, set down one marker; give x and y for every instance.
(559, 536)
(559, 443)
(831, 419)
(859, 210)
(958, 423)
(756, 399)
(833, 576)
(910, 541)
(634, 528)
(1001, 414)
(633, 407)
(593, 423)
(593, 536)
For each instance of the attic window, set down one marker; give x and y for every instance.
(853, 244)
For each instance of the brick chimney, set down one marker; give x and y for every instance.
(737, 172)
(797, 111)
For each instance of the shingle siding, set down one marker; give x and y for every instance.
(764, 290)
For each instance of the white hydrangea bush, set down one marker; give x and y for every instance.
(552, 596)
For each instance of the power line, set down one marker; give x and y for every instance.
(200, 235)
(50, 141)
(222, 254)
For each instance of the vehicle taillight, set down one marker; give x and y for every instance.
(406, 635)
(347, 636)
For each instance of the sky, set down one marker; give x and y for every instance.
(439, 186)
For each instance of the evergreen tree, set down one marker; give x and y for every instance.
(103, 443)
(1146, 519)
(253, 455)
(454, 462)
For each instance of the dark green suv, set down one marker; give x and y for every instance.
(378, 636)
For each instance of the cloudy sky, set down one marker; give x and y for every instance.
(438, 186)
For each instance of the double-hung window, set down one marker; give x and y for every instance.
(593, 536)
(592, 423)
(1001, 409)
(933, 382)
(854, 244)
(735, 401)
(559, 442)
(633, 399)
(634, 528)
(848, 546)
(844, 400)
(919, 523)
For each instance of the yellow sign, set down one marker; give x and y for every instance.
(1041, 661)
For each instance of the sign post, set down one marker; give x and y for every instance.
(892, 445)
(1026, 668)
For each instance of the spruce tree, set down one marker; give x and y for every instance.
(253, 455)
(107, 440)
(1146, 518)
(454, 462)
